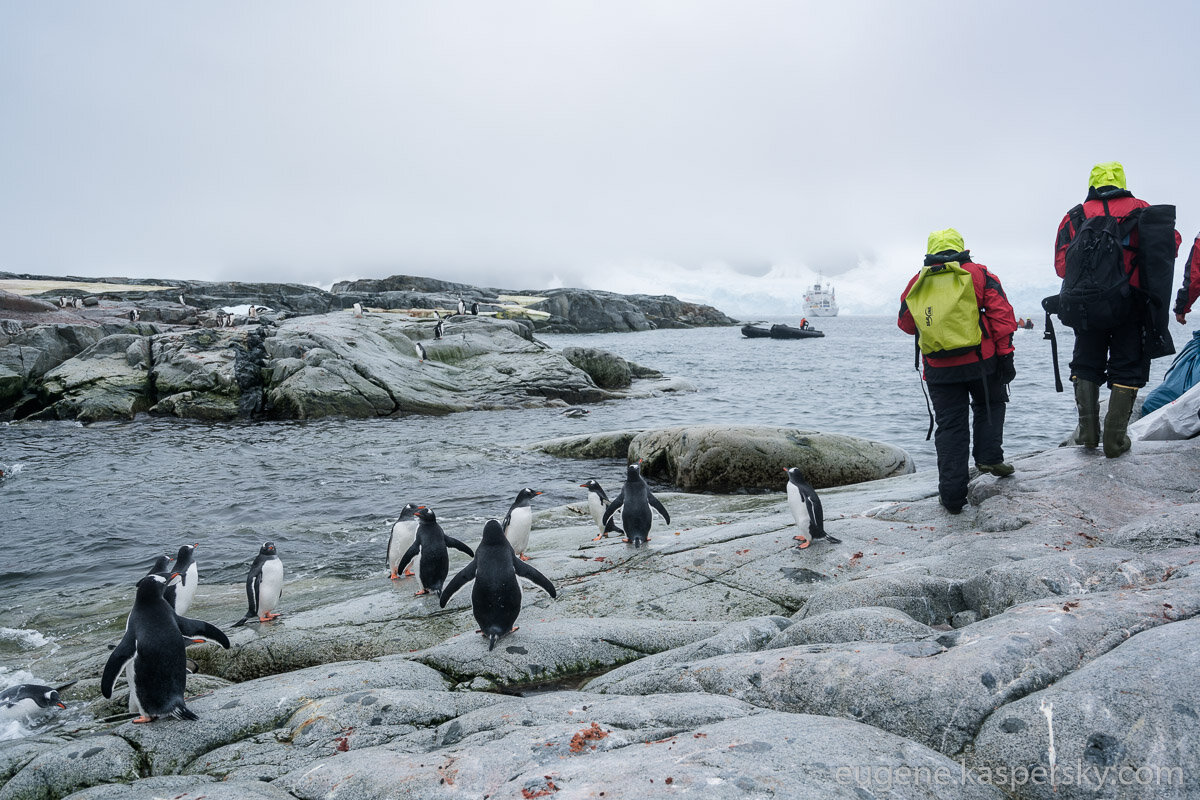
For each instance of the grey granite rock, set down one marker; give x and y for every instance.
(608, 370)
(867, 624)
(1125, 724)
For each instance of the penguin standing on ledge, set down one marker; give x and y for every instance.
(806, 510)
(404, 533)
(518, 522)
(264, 585)
(431, 543)
(154, 642)
(635, 502)
(496, 596)
(597, 503)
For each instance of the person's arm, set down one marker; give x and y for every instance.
(905, 320)
(1191, 284)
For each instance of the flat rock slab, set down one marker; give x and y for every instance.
(578, 745)
(545, 651)
(1125, 725)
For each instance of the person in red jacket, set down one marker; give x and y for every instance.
(975, 380)
(1191, 284)
(1113, 355)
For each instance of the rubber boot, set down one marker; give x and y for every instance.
(1087, 402)
(1120, 406)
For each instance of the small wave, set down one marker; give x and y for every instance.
(13, 729)
(25, 637)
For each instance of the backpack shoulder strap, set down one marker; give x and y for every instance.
(1077, 217)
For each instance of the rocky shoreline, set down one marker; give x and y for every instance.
(1040, 645)
(304, 353)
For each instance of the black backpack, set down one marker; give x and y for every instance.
(1095, 292)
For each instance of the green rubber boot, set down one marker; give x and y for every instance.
(1120, 406)
(1087, 401)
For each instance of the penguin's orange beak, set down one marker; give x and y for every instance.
(583, 486)
(539, 492)
(61, 704)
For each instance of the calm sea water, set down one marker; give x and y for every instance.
(90, 506)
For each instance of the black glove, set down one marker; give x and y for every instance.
(1005, 368)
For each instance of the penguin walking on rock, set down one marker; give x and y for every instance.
(154, 642)
(806, 509)
(475, 309)
(264, 585)
(439, 328)
(134, 315)
(431, 543)
(358, 312)
(25, 700)
(635, 501)
(518, 522)
(597, 503)
(496, 596)
(462, 306)
(421, 354)
(404, 533)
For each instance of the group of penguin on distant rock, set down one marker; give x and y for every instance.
(70, 302)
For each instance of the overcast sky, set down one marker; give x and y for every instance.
(725, 151)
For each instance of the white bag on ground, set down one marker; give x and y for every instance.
(1179, 419)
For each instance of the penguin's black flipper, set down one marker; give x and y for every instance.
(611, 526)
(409, 555)
(66, 685)
(613, 506)
(657, 506)
(831, 539)
(526, 571)
(199, 629)
(388, 551)
(117, 659)
(465, 574)
(457, 545)
(251, 616)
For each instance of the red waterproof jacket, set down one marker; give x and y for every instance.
(999, 321)
(1191, 281)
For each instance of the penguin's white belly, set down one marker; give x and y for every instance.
(185, 592)
(597, 509)
(135, 707)
(271, 586)
(799, 510)
(404, 533)
(519, 525)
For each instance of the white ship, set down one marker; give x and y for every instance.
(820, 301)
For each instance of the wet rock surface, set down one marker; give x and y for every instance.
(918, 658)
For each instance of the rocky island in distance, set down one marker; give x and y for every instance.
(125, 346)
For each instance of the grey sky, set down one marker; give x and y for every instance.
(719, 149)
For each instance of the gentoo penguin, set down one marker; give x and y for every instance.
(358, 310)
(27, 699)
(806, 509)
(431, 543)
(496, 596)
(264, 585)
(519, 521)
(154, 641)
(575, 411)
(134, 315)
(62, 301)
(421, 354)
(635, 501)
(189, 576)
(77, 302)
(404, 533)
(438, 328)
(462, 307)
(252, 312)
(475, 309)
(597, 503)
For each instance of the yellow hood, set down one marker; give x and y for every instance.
(948, 239)
(1110, 173)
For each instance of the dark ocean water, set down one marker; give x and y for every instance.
(91, 506)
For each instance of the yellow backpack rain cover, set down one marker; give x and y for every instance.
(944, 307)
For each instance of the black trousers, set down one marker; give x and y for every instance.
(1111, 356)
(952, 438)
